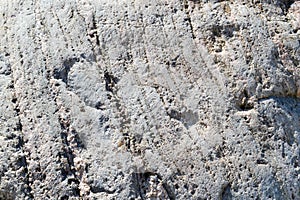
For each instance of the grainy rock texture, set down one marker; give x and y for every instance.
(160, 99)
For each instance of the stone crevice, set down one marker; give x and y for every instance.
(21, 145)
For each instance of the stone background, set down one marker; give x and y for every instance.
(160, 99)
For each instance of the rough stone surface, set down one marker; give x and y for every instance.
(125, 99)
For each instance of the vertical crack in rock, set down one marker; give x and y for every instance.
(70, 171)
(61, 27)
(73, 167)
(188, 19)
(22, 162)
(72, 145)
(110, 81)
(94, 32)
(129, 140)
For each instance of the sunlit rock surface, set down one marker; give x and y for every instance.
(177, 99)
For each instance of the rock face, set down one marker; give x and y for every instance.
(177, 99)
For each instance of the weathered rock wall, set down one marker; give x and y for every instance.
(152, 99)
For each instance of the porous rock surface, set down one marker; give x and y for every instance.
(160, 99)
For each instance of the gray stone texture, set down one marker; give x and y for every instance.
(160, 99)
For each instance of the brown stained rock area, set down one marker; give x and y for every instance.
(154, 99)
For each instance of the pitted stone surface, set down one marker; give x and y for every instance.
(157, 99)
